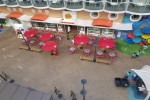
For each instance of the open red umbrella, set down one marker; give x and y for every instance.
(46, 36)
(106, 43)
(30, 33)
(49, 46)
(81, 39)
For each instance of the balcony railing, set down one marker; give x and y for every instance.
(56, 4)
(40, 3)
(115, 7)
(25, 2)
(73, 4)
(138, 9)
(11, 2)
(92, 5)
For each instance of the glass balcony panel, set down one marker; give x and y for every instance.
(56, 3)
(116, 7)
(117, 1)
(140, 1)
(138, 9)
(25, 2)
(40, 3)
(1, 2)
(74, 4)
(11, 2)
(94, 5)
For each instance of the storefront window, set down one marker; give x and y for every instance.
(107, 33)
(94, 31)
(37, 24)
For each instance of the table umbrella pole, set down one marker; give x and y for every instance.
(25, 41)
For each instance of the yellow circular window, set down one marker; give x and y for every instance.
(68, 16)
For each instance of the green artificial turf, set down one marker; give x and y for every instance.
(122, 46)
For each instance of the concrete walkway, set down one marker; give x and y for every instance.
(44, 72)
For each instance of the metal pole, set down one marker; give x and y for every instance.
(25, 41)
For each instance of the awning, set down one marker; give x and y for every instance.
(39, 17)
(102, 22)
(25, 18)
(3, 15)
(84, 23)
(144, 74)
(122, 26)
(14, 15)
(53, 20)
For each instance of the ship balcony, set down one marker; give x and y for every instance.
(115, 7)
(1, 3)
(74, 5)
(94, 5)
(135, 8)
(11, 3)
(56, 4)
(40, 3)
(25, 3)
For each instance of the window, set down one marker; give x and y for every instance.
(94, 14)
(37, 24)
(107, 32)
(49, 25)
(112, 16)
(135, 18)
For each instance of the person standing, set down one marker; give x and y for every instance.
(133, 55)
(145, 47)
(138, 53)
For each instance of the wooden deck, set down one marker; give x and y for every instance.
(32, 48)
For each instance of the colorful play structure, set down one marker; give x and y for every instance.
(140, 33)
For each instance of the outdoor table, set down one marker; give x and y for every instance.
(90, 42)
(49, 46)
(46, 36)
(99, 53)
(72, 49)
(112, 54)
(87, 51)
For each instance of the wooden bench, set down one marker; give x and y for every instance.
(106, 61)
(32, 48)
(86, 58)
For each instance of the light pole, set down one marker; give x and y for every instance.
(20, 32)
(83, 92)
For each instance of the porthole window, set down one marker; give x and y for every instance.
(94, 14)
(46, 11)
(135, 18)
(112, 16)
(8, 9)
(14, 9)
(39, 11)
(33, 10)
(20, 9)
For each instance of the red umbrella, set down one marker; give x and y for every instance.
(30, 33)
(81, 39)
(46, 36)
(106, 43)
(49, 46)
(130, 35)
